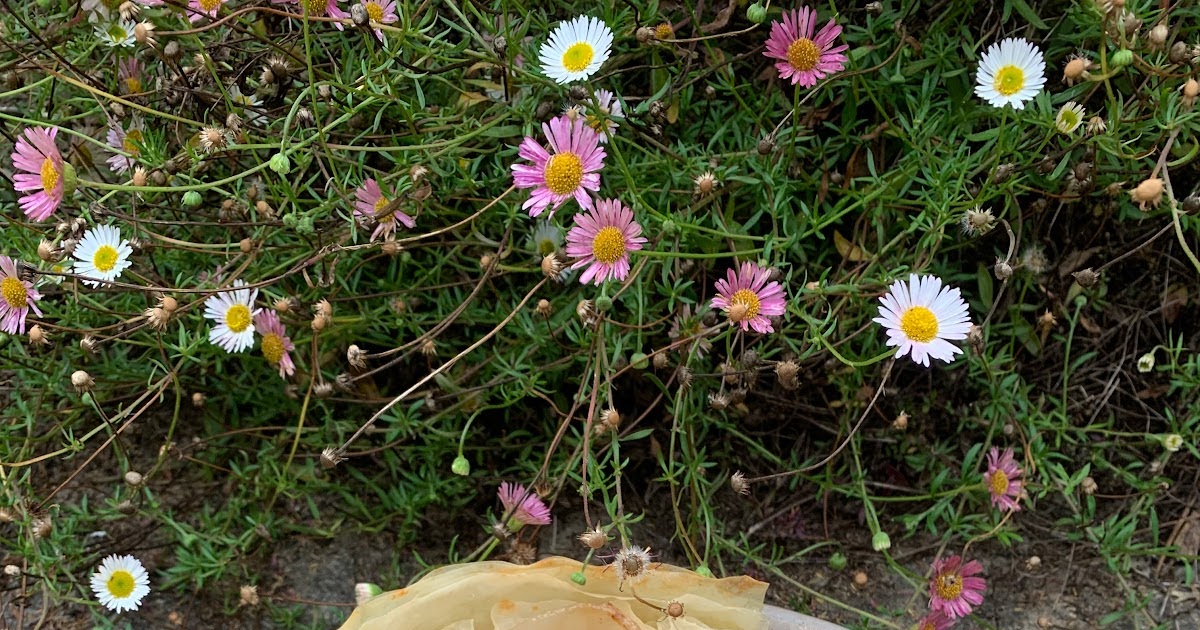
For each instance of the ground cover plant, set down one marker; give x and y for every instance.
(892, 304)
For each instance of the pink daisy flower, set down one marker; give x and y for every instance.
(953, 590)
(748, 299)
(371, 202)
(382, 12)
(200, 9)
(1002, 479)
(127, 140)
(522, 507)
(19, 297)
(42, 170)
(803, 58)
(319, 8)
(602, 238)
(129, 72)
(935, 620)
(275, 342)
(569, 170)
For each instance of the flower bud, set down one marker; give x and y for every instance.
(1145, 363)
(134, 479)
(280, 164)
(191, 199)
(604, 304)
(69, 180)
(364, 590)
(881, 541)
(579, 578)
(756, 13)
(1122, 58)
(1172, 442)
(704, 571)
(837, 562)
(460, 466)
(1158, 35)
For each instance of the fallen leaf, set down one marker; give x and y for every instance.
(849, 250)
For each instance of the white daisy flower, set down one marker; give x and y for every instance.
(1011, 72)
(120, 583)
(921, 316)
(116, 33)
(233, 312)
(576, 49)
(102, 254)
(1069, 117)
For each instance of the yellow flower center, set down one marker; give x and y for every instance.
(578, 57)
(949, 586)
(105, 258)
(133, 138)
(272, 348)
(50, 175)
(375, 12)
(919, 324)
(117, 34)
(120, 584)
(208, 6)
(380, 215)
(743, 305)
(14, 292)
(1068, 119)
(999, 482)
(237, 318)
(133, 84)
(546, 246)
(803, 55)
(609, 245)
(563, 173)
(1009, 80)
(315, 7)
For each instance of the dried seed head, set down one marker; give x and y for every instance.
(246, 245)
(323, 390)
(543, 308)
(787, 374)
(1148, 193)
(1034, 260)
(1096, 126)
(248, 596)
(552, 267)
(1003, 173)
(586, 311)
(198, 399)
(143, 33)
(705, 184)
(49, 252)
(610, 420)
(1003, 270)
(134, 479)
(157, 318)
(594, 538)
(344, 382)
(1086, 277)
(644, 34)
(718, 400)
(684, 376)
(631, 564)
(357, 357)
(331, 457)
(661, 361)
(38, 336)
(82, 381)
(766, 146)
(977, 221)
(1180, 53)
(739, 484)
(1088, 486)
(139, 177)
(901, 422)
(42, 526)
(674, 609)
(213, 138)
(1077, 70)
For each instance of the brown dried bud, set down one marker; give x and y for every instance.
(1003, 270)
(594, 538)
(543, 308)
(684, 377)
(198, 399)
(675, 609)
(248, 594)
(417, 172)
(356, 357)
(1086, 277)
(644, 34)
(1158, 36)
(429, 348)
(610, 419)
(42, 526)
(1148, 193)
(1180, 53)
(739, 483)
(49, 252)
(331, 457)
(38, 336)
(718, 400)
(586, 311)
(139, 177)
(1191, 204)
(134, 479)
(323, 390)
(82, 381)
(246, 245)
(660, 360)
(1088, 486)
(901, 422)
(1003, 173)
(786, 373)
(766, 146)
